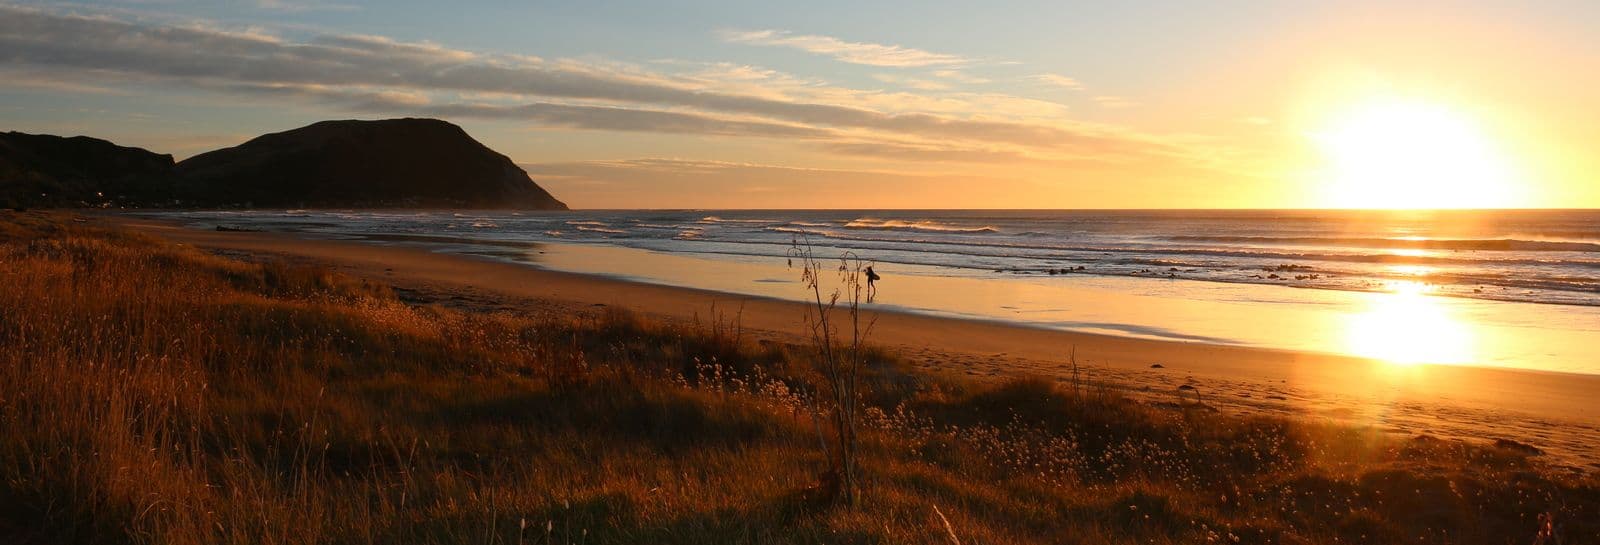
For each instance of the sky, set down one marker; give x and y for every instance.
(898, 104)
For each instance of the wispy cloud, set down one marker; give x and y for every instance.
(1059, 80)
(957, 75)
(677, 182)
(376, 74)
(1112, 101)
(546, 114)
(923, 153)
(852, 52)
(914, 83)
(304, 5)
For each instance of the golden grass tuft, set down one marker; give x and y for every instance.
(157, 394)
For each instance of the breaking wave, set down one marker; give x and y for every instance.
(919, 225)
(1490, 244)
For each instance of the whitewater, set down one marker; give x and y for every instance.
(1538, 256)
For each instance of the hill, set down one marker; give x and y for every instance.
(392, 162)
(46, 170)
(368, 164)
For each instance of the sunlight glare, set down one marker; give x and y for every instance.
(1405, 325)
(1398, 154)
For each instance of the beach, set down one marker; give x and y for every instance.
(297, 273)
(1510, 289)
(1551, 411)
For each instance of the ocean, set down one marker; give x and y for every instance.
(1536, 256)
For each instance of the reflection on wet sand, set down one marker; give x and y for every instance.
(1406, 325)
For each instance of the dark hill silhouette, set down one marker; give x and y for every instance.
(388, 163)
(392, 162)
(46, 170)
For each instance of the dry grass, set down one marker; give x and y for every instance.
(156, 394)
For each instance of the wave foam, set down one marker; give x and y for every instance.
(1486, 244)
(921, 225)
(715, 219)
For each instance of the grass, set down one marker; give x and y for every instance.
(157, 394)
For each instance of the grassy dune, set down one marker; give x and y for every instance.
(157, 394)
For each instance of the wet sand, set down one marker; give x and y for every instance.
(1556, 412)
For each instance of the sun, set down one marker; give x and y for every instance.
(1403, 154)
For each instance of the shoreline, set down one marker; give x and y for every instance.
(1377, 266)
(1409, 321)
(1548, 409)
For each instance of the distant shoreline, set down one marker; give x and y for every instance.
(1552, 410)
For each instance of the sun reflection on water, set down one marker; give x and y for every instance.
(1405, 325)
(1409, 252)
(1407, 285)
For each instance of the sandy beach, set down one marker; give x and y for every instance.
(888, 273)
(1555, 412)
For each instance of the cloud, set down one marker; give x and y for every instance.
(385, 48)
(920, 153)
(381, 75)
(914, 83)
(1111, 101)
(1059, 80)
(50, 80)
(743, 79)
(957, 75)
(852, 52)
(293, 6)
(691, 183)
(590, 117)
